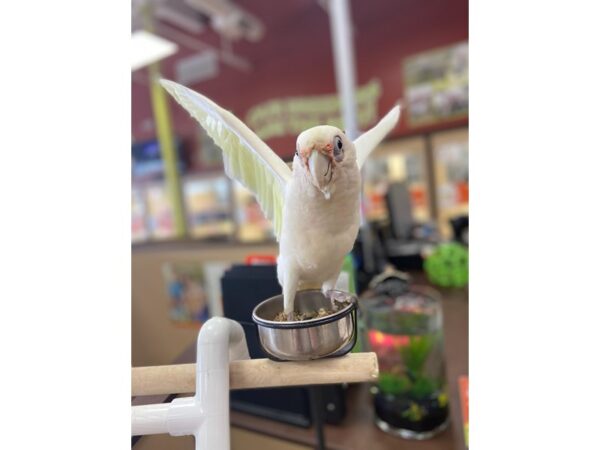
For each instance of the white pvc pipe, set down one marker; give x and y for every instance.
(345, 75)
(149, 419)
(206, 414)
(221, 340)
(345, 68)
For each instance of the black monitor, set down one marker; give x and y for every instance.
(243, 288)
(400, 210)
(146, 159)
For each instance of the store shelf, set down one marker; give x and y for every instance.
(189, 244)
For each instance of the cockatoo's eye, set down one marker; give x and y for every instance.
(338, 148)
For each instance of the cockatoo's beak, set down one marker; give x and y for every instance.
(320, 166)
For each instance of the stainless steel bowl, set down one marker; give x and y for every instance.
(333, 335)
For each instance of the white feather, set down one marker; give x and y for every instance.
(367, 142)
(245, 156)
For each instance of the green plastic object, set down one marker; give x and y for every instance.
(350, 270)
(448, 265)
(348, 267)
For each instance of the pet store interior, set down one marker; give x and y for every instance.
(202, 247)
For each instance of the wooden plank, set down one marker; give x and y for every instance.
(258, 373)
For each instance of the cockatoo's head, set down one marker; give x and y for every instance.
(323, 152)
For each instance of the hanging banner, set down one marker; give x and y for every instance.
(290, 116)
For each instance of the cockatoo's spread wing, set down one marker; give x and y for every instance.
(367, 142)
(245, 156)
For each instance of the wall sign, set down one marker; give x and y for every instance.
(194, 291)
(436, 85)
(292, 115)
(188, 300)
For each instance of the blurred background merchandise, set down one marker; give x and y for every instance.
(272, 65)
(256, 59)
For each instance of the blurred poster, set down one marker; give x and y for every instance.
(139, 231)
(161, 218)
(436, 85)
(399, 166)
(375, 188)
(451, 170)
(188, 299)
(208, 207)
(252, 226)
(452, 164)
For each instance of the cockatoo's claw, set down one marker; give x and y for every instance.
(290, 316)
(328, 289)
(328, 293)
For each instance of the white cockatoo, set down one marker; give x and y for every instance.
(314, 207)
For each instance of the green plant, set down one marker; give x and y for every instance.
(390, 383)
(423, 387)
(415, 353)
(412, 322)
(414, 412)
(414, 383)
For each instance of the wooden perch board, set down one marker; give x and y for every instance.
(258, 373)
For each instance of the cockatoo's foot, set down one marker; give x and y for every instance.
(335, 297)
(290, 285)
(328, 286)
(329, 295)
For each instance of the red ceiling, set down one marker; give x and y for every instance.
(295, 56)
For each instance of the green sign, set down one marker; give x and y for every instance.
(292, 115)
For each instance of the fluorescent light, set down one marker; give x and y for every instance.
(147, 48)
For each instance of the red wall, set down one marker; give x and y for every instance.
(295, 58)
